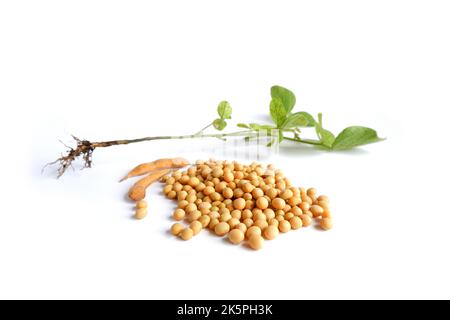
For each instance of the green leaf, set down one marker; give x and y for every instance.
(299, 119)
(286, 96)
(310, 118)
(326, 137)
(224, 110)
(355, 136)
(219, 124)
(277, 112)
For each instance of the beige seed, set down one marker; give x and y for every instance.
(311, 192)
(278, 204)
(194, 182)
(296, 211)
(140, 213)
(213, 223)
(204, 220)
(262, 203)
(217, 172)
(172, 194)
(326, 223)
(296, 223)
(187, 234)
(253, 230)
(326, 213)
(179, 214)
(176, 228)
(204, 206)
(221, 186)
(294, 201)
(191, 207)
(289, 216)
(227, 193)
(208, 191)
(272, 193)
(233, 222)
(225, 217)
(241, 227)
(238, 193)
(141, 204)
(257, 193)
(271, 232)
(287, 194)
(259, 216)
(196, 226)
(247, 196)
(222, 228)
(284, 226)
(239, 204)
(194, 215)
(236, 236)
(248, 187)
(236, 214)
(228, 176)
(305, 206)
(256, 242)
(306, 220)
(192, 198)
(273, 222)
(215, 196)
(262, 224)
(183, 204)
(316, 211)
(248, 222)
(246, 214)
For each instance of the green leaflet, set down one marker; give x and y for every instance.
(355, 136)
(219, 124)
(299, 119)
(277, 112)
(224, 110)
(326, 137)
(286, 96)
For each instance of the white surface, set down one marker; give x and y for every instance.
(111, 69)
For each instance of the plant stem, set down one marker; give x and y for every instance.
(315, 143)
(85, 148)
(201, 131)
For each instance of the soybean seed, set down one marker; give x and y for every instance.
(271, 232)
(176, 228)
(222, 228)
(141, 204)
(140, 213)
(179, 214)
(326, 223)
(256, 242)
(187, 234)
(196, 226)
(236, 236)
(284, 226)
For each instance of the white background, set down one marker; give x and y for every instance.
(123, 69)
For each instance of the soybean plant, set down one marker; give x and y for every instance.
(285, 122)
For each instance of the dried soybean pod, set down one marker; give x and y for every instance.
(137, 191)
(160, 164)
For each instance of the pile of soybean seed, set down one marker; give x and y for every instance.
(245, 202)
